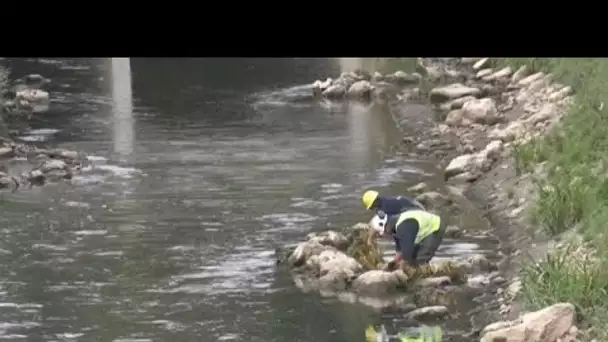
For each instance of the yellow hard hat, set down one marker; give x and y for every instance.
(368, 198)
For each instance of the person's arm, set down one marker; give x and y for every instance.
(406, 233)
(398, 250)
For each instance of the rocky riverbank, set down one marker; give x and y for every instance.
(347, 265)
(483, 114)
(23, 166)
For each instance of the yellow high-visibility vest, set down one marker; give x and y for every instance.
(428, 222)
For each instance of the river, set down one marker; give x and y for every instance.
(202, 168)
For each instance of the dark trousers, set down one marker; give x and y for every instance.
(426, 249)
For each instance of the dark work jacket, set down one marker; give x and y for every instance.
(395, 204)
(405, 239)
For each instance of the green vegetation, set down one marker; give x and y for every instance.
(574, 195)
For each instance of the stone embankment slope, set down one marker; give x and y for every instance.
(485, 114)
(25, 165)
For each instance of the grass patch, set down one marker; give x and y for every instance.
(574, 192)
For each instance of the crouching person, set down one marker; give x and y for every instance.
(417, 235)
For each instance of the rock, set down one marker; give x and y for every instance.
(334, 261)
(492, 150)
(36, 177)
(453, 232)
(476, 263)
(402, 78)
(457, 103)
(336, 91)
(429, 312)
(433, 282)
(465, 177)
(450, 92)
(498, 75)
(303, 251)
(7, 152)
(547, 111)
(520, 74)
(329, 238)
(458, 165)
(546, 325)
(363, 74)
(514, 288)
(420, 187)
(479, 64)
(526, 81)
(32, 95)
(456, 118)
(497, 326)
(336, 280)
(53, 164)
(360, 90)
(57, 174)
(498, 280)
(560, 94)
(376, 282)
(483, 73)
(377, 77)
(479, 281)
(481, 111)
(67, 154)
(514, 131)
(433, 199)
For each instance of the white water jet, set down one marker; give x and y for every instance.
(360, 124)
(122, 109)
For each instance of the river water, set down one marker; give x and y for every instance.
(202, 167)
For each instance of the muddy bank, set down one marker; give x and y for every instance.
(23, 166)
(481, 114)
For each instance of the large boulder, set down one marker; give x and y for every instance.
(480, 161)
(546, 325)
(304, 251)
(376, 283)
(360, 90)
(335, 91)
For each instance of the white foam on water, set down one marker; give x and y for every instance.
(43, 131)
(90, 232)
(96, 159)
(309, 204)
(247, 271)
(331, 188)
(33, 138)
(77, 204)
